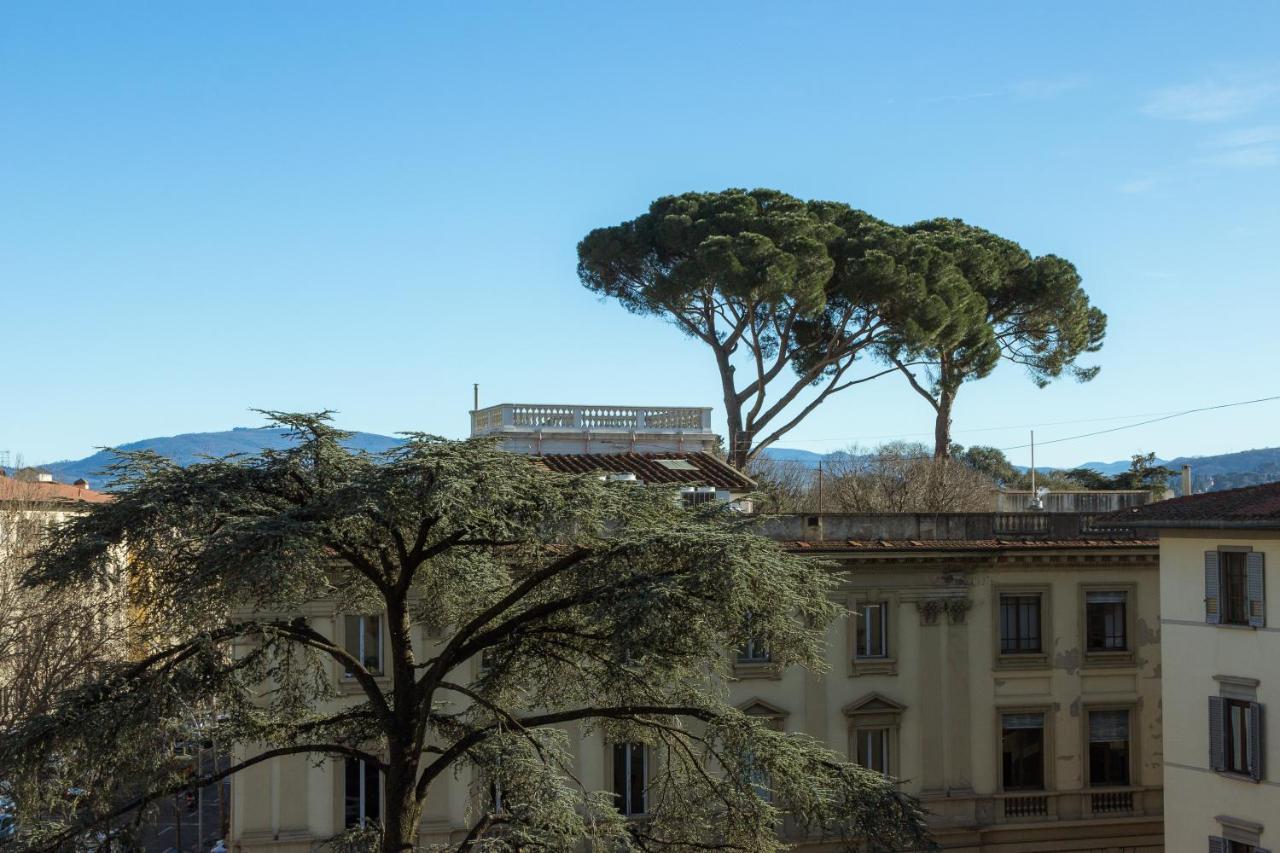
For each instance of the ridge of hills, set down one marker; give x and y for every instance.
(1210, 473)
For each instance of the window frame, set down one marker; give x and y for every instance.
(876, 712)
(626, 796)
(362, 793)
(1227, 556)
(1027, 659)
(886, 664)
(1046, 747)
(1109, 657)
(381, 671)
(1134, 765)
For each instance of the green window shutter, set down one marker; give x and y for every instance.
(1255, 741)
(1256, 588)
(1212, 576)
(1217, 734)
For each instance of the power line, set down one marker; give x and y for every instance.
(1144, 423)
(981, 429)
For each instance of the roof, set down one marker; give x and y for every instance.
(883, 545)
(1251, 506)
(26, 491)
(700, 468)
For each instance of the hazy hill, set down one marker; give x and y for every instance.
(187, 448)
(1224, 471)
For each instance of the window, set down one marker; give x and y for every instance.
(873, 749)
(362, 794)
(1226, 845)
(754, 651)
(1022, 748)
(1235, 736)
(1108, 748)
(364, 642)
(1105, 614)
(1235, 587)
(1019, 624)
(630, 778)
(873, 630)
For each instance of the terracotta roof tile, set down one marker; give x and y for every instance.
(705, 469)
(1251, 506)
(13, 489)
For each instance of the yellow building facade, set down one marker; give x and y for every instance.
(1006, 667)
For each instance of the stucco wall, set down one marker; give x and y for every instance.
(1194, 652)
(945, 677)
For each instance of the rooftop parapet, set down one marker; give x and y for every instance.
(917, 528)
(542, 428)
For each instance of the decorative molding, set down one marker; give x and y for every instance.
(930, 609)
(956, 609)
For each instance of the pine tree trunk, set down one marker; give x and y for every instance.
(403, 811)
(942, 428)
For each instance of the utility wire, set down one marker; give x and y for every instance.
(1144, 423)
(982, 429)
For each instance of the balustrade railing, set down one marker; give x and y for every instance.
(1029, 805)
(625, 418)
(1111, 802)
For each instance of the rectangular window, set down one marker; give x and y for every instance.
(630, 778)
(1022, 748)
(1105, 614)
(873, 749)
(1239, 733)
(362, 794)
(364, 642)
(1108, 749)
(754, 651)
(1019, 624)
(873, 630)
(1235, 587)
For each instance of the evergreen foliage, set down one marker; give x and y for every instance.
(597, 607)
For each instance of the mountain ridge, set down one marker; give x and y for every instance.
(1213, 471)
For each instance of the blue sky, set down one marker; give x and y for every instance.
(207, 208)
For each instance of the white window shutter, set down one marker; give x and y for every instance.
(1217, 845)
(1212, 611)
(1217, 734)
(1255, 741)
(1256, 587)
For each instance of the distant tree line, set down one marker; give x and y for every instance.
(907, 477)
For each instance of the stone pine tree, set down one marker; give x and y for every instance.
(1003, 304)
(786, 293)
(597, 604)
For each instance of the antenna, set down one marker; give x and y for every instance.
(475, 396)
(1036, 503)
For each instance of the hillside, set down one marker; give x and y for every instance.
(189, 447)
(1210, 473)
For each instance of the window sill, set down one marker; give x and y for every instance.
(348, 686)
(1022, 661)
(1239, 777)
(753, 669)
(873, 666)
(1102, 660)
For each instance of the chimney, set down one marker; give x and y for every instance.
(1186, 479)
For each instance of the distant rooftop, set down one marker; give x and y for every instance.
(693, 469)
(14, 490)
(951, 531)
(1251, 506)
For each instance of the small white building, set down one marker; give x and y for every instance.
(542, 430)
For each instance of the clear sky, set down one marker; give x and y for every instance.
(206, 208)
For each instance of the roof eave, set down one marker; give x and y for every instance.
(1206, 524)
